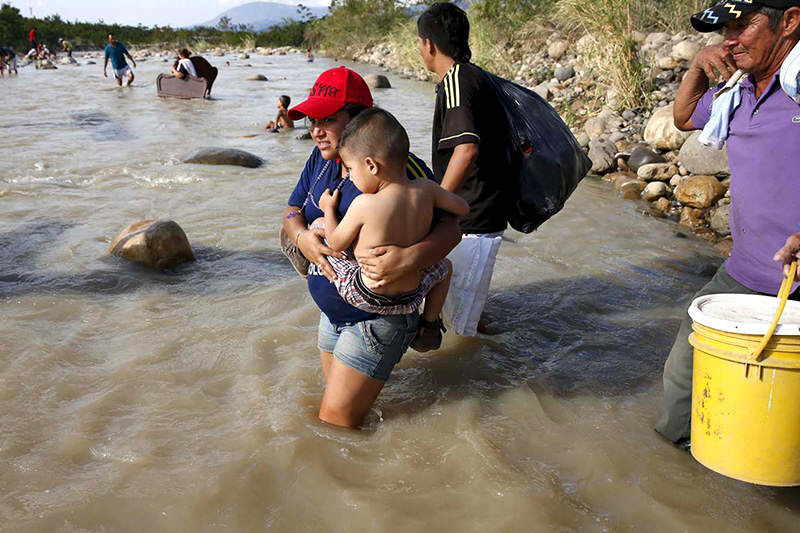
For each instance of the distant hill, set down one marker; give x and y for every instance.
(261, 15)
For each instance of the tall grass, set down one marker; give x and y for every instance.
(615, 57)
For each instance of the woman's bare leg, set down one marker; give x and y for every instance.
(325, 359)
(348, 394)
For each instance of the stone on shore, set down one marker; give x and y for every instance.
(223, 156)
(699, 191)
(377, 81)
(564, 73)
(655, 190)
(629, 188)
(721, 218)
(692, 217)
(662, 204)
(701, 159)
(657, 171)
(643, 155)
(685, 50)
(153, 243)
(661, 132)
(557, 49)
(601, 152)
(257, 77)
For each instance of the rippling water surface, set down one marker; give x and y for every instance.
(186, 401)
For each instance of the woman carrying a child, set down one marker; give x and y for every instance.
(358, 349)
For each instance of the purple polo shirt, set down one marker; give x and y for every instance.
(764, 158)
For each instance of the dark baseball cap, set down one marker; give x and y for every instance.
(717, 15)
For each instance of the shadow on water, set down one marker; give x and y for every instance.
(215, 270)
(100, 126)
(605, 335)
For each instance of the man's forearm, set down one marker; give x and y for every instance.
(692, 88)
(458, 167)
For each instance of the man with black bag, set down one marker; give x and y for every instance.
(468, 159)
(499, 146)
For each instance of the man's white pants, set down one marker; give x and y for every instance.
(473, 263)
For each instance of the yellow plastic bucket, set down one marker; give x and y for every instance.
(745, 406)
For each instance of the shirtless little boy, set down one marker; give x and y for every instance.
(393, 210)
(282, 120)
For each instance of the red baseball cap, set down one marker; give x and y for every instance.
(333, 89)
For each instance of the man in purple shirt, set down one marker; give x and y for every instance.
(764, 158)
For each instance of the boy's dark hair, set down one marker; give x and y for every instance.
(285, 101)
(447, 26)
(354, 109)
(109, 34)
(184, 52)
(376, 133)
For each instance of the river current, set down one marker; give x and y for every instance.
(133, 400)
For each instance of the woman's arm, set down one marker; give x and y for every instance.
(385, 264)
(310, 243)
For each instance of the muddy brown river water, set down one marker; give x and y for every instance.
(133, 400)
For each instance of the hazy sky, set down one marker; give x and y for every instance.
(133, 12)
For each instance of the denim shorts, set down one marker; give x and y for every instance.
(371, 347)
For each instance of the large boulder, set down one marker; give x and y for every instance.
(661, 132)
(45, 64)
(699, 191)
(601, 152)
(68, 61)
(153, 243)
(223, 156)
(701, 159)
(377, 81)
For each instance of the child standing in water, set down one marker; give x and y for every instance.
(393, 210)
(282, 120)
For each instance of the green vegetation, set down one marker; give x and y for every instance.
(14, 30)
(504, 30)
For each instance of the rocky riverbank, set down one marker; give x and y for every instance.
(638, 150)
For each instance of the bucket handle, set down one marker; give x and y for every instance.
(783, 295)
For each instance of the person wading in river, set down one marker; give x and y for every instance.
(116, 51)
(468, 159)
(357, 349)
(763, 137)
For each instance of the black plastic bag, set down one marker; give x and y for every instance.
(546, 160)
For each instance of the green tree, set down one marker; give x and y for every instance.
(224, 22)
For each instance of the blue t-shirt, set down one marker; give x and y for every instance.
(117, 55)
(323, 291)
(6, 51)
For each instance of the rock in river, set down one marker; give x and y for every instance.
(257, 77)
(377, 81)
(153, 243)
(223, 156)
